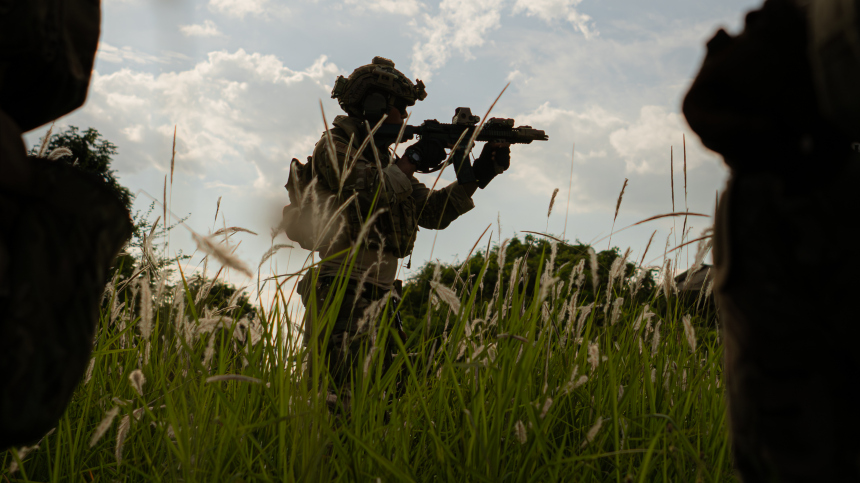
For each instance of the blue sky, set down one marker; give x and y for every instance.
(242, 81)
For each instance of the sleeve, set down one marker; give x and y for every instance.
(438, 208)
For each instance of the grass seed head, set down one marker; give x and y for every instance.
(689, 332)
(137, 380)
(208, 245)
(593, 266)
(104, 425)
(592, 433)
(520, 431)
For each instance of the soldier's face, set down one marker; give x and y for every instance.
(395, 116)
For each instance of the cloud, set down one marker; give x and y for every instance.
(240, 117)
(550, 10)
(240, 8)
(644, 142)
(208, 29)
(610, 146)
(115, 55)
(409, 8)
(460, 25)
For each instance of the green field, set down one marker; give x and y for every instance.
(512, 388)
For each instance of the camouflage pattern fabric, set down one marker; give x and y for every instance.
(785, 276)
(408, 202)
(348, 334)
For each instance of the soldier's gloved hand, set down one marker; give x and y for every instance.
(426, 154)
(462, 166)
(495, 159)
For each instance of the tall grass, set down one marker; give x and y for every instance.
(520, 388)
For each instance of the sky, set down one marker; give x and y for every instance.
(242, 82)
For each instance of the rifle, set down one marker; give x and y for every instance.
(494, 130)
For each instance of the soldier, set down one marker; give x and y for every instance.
(370, 193)
(781, 103)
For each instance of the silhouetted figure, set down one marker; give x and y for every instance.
(786, 273)
(60, 228)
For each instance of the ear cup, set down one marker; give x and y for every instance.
(374, 105)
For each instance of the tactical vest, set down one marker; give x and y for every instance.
(314, 202)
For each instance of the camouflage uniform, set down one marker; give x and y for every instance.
(785, 278)
(402, 204)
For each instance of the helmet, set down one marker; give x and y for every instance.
(372, 89)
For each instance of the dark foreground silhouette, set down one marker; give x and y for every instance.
(60, 228)
(785, 288)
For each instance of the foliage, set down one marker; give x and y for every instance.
(91, 153)
(536, 389)
(528, 255)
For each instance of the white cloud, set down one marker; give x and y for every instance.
(207, 29)
(240, 8)
(643, 143)
(460, 25)
(116, 55)
(409, 8)
(240, 117)
(549, 10)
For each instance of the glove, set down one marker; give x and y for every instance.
(493, 161)
(426, 154)
(462, 166)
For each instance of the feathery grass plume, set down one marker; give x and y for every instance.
(668, 279)
(229, 231)
(22, 453)
(145, 324)
(45, 140)
(447, 295)
(90, 370)
(551, 202)
(546, 405)
(208, 245)
(217, 208)
(58, 153)
(104, 425)
(595, 280)
(371, 315)
(701, 292)
(577, 274)
(655, 339)
(710, 287)
(593, 355)
(121, 433)
(232, 377)
(520, 432)
(137, 380)
(592, 433)
(647, 246)
(620, 392)
(617, 207)
(646, 316)
(689, 332)
(269, 253)
(584, 312)
(210, 350)
(616, 310)
(574, 382)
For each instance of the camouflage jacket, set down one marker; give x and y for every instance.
(407, 202)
